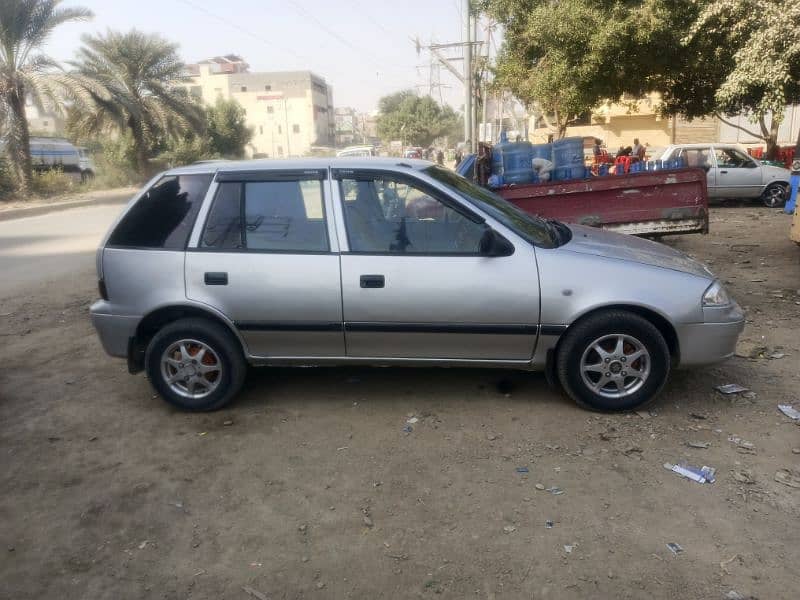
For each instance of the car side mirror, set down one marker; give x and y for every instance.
(706, 168)
(494, 244)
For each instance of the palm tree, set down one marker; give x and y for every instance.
(24, 75)
(126, 83)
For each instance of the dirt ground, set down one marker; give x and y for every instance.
(309, 487)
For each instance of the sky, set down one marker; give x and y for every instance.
(363, 48)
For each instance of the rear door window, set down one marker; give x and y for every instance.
(164, 216)
(278, 216)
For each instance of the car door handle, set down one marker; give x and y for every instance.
(723, 171)
(216, 278)
(373, 281)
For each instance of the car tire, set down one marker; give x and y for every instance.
(589, 354)
(195, 364)
(775, 195)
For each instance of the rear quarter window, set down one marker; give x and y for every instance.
(164, 216)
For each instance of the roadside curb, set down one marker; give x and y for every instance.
(35, 211)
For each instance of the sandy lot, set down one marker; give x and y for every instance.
(308, 487)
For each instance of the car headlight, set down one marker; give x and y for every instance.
(716, 295)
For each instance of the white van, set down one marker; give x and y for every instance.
(48, 153)
(358, 151)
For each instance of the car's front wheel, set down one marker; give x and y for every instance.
(195, 364)
(613, 360)
(775, 195)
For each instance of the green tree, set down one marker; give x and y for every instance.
(227, 130)
(563, 59)
(415, 120)
(226, 135)
(24, 26)
(127, 83)
(759, 40)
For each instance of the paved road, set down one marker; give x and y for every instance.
(59, 246)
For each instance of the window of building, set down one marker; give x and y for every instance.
(270, 109)
(218, 90)
(286, 216)
(280, 150)
(196, 92)
(261, 129)
(45, 123)
(295, 128)
(163, 217)
(280, 129)
(243, 88)
(267, 88)
(388, 215)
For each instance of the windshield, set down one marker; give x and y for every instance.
(538, 231)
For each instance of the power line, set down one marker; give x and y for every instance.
(238, 27)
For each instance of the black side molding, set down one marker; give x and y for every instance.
(552, 329)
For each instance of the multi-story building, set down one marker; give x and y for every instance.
(353, 127)
(289, 111)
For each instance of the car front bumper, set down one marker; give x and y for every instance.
(712, 341)
(114, 331)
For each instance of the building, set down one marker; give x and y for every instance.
(353, 127)
(617, 124)
(43, 123)
(289, 111)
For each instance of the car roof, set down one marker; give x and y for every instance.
(291, 164)
(705, 145)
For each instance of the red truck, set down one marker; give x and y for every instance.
(652, 203)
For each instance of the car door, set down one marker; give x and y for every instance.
(266, 258)
(738, 175)
(414, 283)
(702, 158)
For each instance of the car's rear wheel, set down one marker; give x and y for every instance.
(775, 195)
(195, 364)
(613, 360)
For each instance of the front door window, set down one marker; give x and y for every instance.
(385, 215)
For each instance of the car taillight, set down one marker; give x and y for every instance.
(101, 287)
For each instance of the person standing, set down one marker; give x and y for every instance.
(440, 157)
(638, 149)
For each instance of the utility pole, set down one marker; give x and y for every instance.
(468, 74)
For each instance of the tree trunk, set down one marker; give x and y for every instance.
(21, 157)
(139, 147)
(771, 138)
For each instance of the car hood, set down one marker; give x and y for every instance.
(588, 240)
(772, 172)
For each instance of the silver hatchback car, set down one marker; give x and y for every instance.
(390, 262)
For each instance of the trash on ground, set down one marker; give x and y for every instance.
(790, 411)
(408, 429)
(144, 543)
(698, 445)
(777, 355)
(522, 470)
(731, 388)
(743, 476)
(539, 486)
(788, 477)
(702, 474)
(724, 564)
(742, 447)
(632, 450)
(412, 420)
(509, 529)
(227, 423)
(549, 524)
(644, 414)
(568, 548)
(555, 491)
(255, 593)
(675, 548)
(698, 416)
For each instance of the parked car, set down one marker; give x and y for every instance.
(357, 151)
(385, 262)
(732, 173)
(413, 153)
(57, 153)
